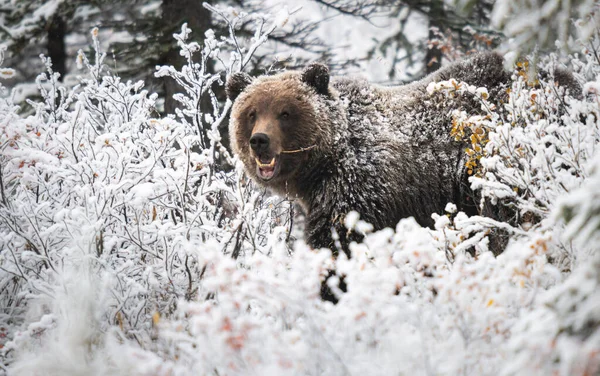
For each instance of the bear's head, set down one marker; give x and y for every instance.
(277, 122)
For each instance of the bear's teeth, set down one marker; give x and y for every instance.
(270, 164)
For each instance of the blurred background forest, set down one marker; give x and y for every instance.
(388, 41)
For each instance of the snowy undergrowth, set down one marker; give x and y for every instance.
(128, 249)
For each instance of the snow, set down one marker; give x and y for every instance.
(592, 88)
(7, 73)
(450, 208)
(527, 24)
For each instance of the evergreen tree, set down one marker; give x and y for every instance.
(33, 27)
(448, 30)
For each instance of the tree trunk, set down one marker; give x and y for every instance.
(433, 57)
(57, 31)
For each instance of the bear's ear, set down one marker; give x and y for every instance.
(236, 83)
(317, 76)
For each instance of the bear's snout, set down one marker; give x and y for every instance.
(259, 142)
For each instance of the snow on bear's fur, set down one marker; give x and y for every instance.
(342, 144)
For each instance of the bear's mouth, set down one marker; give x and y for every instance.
(266, 169)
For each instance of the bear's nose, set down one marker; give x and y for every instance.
(259, 142)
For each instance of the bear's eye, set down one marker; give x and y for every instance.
(284, 115)
(252, 115)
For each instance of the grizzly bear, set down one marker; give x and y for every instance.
(342, 144)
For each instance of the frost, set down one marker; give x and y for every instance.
(592, 88)
(141, 193)
(527, 23)
(351, 220)
(450, 208)
(6, 73)
(282, 17)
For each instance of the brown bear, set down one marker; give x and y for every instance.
(343, 144)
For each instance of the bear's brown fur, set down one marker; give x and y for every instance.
(385, 152)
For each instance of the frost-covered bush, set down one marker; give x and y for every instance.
(130, 246)
(532, 24)
(531, 146)
(96, 187)
(536, 151)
